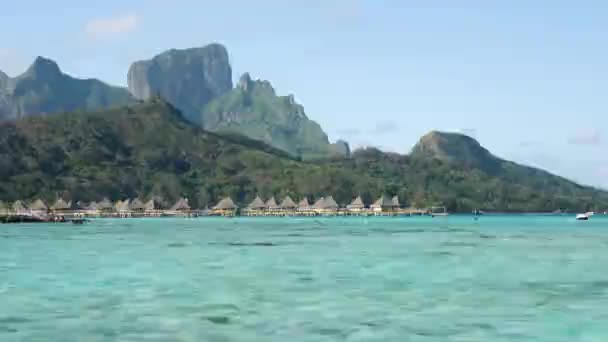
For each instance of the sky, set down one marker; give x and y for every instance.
(527, 79)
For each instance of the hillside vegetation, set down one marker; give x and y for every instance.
(149, 149)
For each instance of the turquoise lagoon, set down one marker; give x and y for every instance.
(501, 278)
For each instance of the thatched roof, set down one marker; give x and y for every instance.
(137, 204)
(123, 205)
(152, 204)
(38, 205)
(105, 204)
(226, 204)
(319, 204)
(117, 204)
(395, 201)
(288, 203)
(357, 203)
(92, 206)
(272, 203)
(181, 204)
(326, 203)
(304, 204)
(383, 202)
(19, 206)
(330, 203)
(60, 204)
(257, 204)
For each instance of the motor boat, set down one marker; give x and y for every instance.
(582, 217)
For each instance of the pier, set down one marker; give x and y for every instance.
(62, 210)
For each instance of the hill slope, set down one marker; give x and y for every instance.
(254, 109)
(145, 149)
(150, 149)
(44, 89)
(465, 152)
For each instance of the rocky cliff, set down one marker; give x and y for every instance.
(254, 109)
(188, 78)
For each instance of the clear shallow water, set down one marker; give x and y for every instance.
(503, 278)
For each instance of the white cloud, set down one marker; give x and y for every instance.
(586, 137)
(104, 27)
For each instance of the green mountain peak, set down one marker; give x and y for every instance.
(254, 109)
(449, 146)
(43, 68)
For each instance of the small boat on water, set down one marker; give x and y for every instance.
(585, 216)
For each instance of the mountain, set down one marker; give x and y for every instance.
(465, 152)
(198, 81)
(254, 109)
(150, 149)
(188, 78)
(455, 147)
(43, 89)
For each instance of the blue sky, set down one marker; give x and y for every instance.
(528, 79)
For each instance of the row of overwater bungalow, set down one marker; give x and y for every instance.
(324, 206)
(103, 208)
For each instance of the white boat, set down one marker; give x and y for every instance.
(582, 217)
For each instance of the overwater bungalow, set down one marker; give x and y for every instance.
(330, 204)
(117, 205)
(153, 208)
(384, 205)
(326, 206)
(225, 207)
(356, 206)
(288, 206)
(60, 206)
(92, 209)
(137, 207)
(105, 207)
(123, 208)
(39, 208)
(19, 208)
(272, 207)
(304, 208)
(181, 207)
(257, 207)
